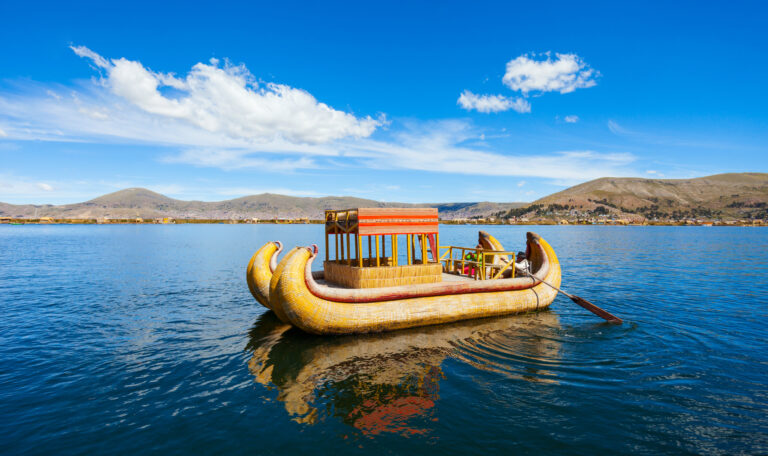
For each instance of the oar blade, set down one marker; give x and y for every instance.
(596, 310)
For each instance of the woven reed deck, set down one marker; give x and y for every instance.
(446, 278)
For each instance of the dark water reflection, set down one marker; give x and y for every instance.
(145, 339)
(391, 382)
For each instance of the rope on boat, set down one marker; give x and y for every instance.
(529, 274)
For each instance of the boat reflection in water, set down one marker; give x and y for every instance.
(390, 382)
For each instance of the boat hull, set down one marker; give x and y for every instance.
(296, 299)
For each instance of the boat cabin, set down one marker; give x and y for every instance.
(382, 247)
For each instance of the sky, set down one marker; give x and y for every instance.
(393, 101)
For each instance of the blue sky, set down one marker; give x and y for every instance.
(391, 101)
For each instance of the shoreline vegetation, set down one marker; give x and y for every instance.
(474, 221)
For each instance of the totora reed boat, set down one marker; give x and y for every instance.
(368, 285)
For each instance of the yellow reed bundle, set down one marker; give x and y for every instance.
(384, 276)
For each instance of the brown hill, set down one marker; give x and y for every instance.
(140, 202)
(736, 195)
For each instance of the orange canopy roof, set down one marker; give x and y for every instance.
(372, 221)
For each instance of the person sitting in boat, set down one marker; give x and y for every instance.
(469, 269)
(521, 264)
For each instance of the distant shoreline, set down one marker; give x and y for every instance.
(168, 221)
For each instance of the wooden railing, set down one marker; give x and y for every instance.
(344, 223)
(479, 268)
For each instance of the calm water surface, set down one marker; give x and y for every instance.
(145, 339)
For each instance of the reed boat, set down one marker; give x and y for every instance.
(381, 289)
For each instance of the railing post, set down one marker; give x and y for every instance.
(378, 261)
(336, 237)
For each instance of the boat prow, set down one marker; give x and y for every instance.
(259, 271)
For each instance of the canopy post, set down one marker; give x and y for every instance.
(394, 250)
(358, 245)
(410, 250)
(349, 251)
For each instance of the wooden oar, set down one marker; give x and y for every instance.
(581, 301)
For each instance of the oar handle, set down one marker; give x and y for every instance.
(596, 310)
(580, 301)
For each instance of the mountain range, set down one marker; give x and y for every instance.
(140, 202)
(736, 195)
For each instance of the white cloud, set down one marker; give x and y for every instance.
(521, 183)
(439, 147)
(228, 100)
(83, 51)
(492, 103)
(529, 73)
(94, 113)
(23, 190)
(3, 134)
(565, 73)
(237, 159)
(617, 129)
(195, 128)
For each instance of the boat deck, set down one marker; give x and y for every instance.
(446, 278)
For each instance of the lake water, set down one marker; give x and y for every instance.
(135, 339)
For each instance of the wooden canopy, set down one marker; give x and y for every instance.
(417, 224)
(367, 221)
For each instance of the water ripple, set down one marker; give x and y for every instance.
(123, 339)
